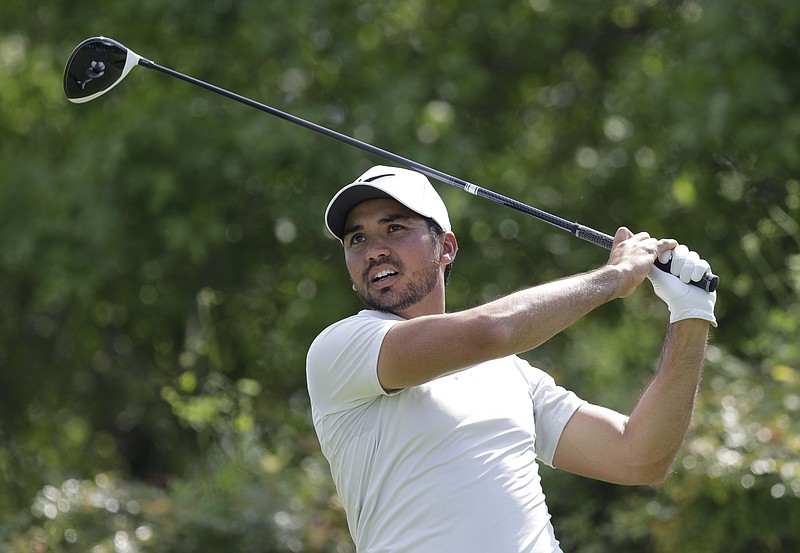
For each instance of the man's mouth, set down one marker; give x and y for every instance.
(384, 274)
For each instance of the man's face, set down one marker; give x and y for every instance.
(392, 257)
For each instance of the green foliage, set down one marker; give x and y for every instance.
(164, 267)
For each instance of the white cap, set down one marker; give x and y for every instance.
(410, 188)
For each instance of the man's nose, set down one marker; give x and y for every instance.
(377, 248)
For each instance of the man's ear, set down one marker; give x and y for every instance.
(449, 248)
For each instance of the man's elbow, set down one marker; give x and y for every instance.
(651, 474)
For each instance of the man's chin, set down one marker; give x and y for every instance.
(382, 302)
(378, 305)
(391, 300)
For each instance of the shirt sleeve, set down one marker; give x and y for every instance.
(553, 406)
(342, 363)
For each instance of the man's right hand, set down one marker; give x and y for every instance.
(633, 255)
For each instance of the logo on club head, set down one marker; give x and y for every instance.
(95, 70)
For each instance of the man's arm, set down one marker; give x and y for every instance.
(640, 449)
(424, 348)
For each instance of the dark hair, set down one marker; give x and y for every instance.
(437, 231)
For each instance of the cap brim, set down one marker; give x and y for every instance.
(347, 198)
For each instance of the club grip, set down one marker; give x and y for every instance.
(709, 282)
(594, 236)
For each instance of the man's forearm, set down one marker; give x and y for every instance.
(531, 317)
(425, 348)
(659, 422)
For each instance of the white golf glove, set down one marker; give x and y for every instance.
(684, 301)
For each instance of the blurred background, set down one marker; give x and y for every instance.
(164, 265)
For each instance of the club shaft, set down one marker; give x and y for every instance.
(708, 283)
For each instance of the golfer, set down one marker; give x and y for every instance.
(430, 421)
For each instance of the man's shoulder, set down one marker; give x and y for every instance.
(341, 364)
(359, 325)
(362, 319)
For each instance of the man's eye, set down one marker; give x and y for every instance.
(357, 239)
(394, 228)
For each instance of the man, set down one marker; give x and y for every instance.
(431, 423)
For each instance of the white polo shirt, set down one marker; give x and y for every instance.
(448, 466)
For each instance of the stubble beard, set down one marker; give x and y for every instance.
(419, 286)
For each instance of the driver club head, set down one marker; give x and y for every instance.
(96, 66)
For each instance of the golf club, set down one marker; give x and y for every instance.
(98, 64)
